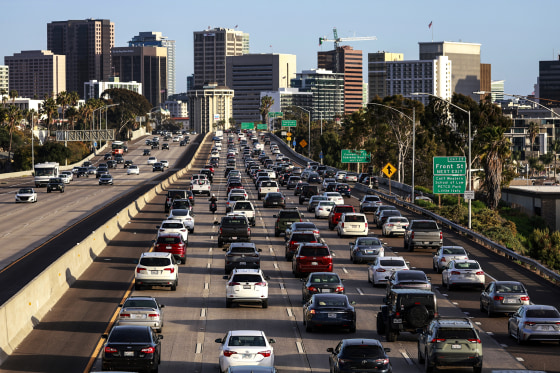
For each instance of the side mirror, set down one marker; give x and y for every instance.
(387, 349)
(219, 340)
(274, 216)
(267, 278)
(384, 299)
(272, 340)
(216, 222)
(353, 302)
(157, 226)
(330, 349)
(162, 306)
(224, 249)
(160, 336)
(225, 277)
(259, 250)
(120, 305)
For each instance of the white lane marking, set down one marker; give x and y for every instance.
(344, 270)
(406, 357)
(299, 347)
(198, 348)
(489, 333)
(210, 250)
(478, 323)
(455, 303)
(333, 254)
(271, 250)
(289, 311)
(203, 312)
(208, 265)
(282, 286)
(359, 291)
(276, 266)
(504, 345)
(519, 359)
(206, 286)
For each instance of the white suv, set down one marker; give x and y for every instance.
(156, 269)
(352, 224)
(174, 226)
(246, 286)
(245, 347)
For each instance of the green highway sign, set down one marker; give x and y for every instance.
(274, 114)
(449, 184)
(247, 126)
(450, 166)
(262, 126)
(354, 156)
(289, 123)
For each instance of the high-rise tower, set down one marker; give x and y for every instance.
(87, 46)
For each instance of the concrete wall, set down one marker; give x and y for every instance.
(24, 311)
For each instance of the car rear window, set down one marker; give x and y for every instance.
(155, 262)
(330, 302)
(290, 215)
(456, 333)
(467, 265)
(236, 197)
(269, 184)
(246, 277)
(369, 241)
(414, 299)
(168, 240)
(543, 314)
(363, 352)
(454, 251)
(242, 249)
(176, 194)
(314, 251)
(234, 221)
(172, 225)
(324, 279)
(342, 209)
(391, 213)
(257, 341)
(411, 275)
(425, 225)
(140, 303)
(243, 206)
(355, 218)
(392, 263)
(128, 335)
(303, 237)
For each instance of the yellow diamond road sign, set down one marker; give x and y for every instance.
(389, 170)
(303, 143)
(289, 134)
(288, 138)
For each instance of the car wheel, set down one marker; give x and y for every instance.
(380, 324)
(308, 328)
(265, 303)
(520, 338)
(352, 328)
(449, 286)
(481, 307)
(477, 369)
(390, 334)
(276, 233)
(331, 227)
(220, 243)
(48, 191)
(174, 286)
(228, 303)
(137, 287)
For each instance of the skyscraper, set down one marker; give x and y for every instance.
(549, 82)
(349, 64)
(87, 46)
(155, 39)
(211, 47)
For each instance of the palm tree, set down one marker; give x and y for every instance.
(49, 108)
(13, 95)
(62, 100)
(4, 94)
(533, 131)
(266, 103)
(555, 149)
(14, 115)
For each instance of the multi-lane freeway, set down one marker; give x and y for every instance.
(69, 337)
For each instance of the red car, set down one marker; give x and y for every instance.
(296, 238)
(336, 213)
(312, 257)
(172, 243)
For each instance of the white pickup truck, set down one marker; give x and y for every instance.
(245, 208)
(201, 186)
(267, 186)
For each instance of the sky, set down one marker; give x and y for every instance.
(514, 35)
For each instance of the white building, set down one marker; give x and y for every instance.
(4, 78)
(94, 89)
(177, 109)
(209, 106)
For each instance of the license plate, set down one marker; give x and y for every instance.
(243, 263)
(426, 242)
(234, 238)
(510, 301)
(274, 203)
(331, 315)
(138, 316)
(545, 327)
(129, 353)
(397, 321)
(247, 356)
(154, 272)
(246, 286)
(355, 226)
(168, 247)
(368, 252)
(314, 263)
(456, 347)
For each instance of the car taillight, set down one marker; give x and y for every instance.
(382, 361)
(261, 284)
(140, 269)
(436, 340)
(339, 289)
(443, 259)
(479, 273)
(110, 350)
(171, 270)
(123, 315)
(474, 340)
(380, 270)
(312, 312)
(162, 229)
(148, 350)
(228, 353)
(220, 230)
(441, 235)
(233, 283)
(412, 235)
(455, 273)
(153, 315)
(524, 298)
(498, 297)
(366, 225)
(312, 288)
(529, 323)
(342, 225)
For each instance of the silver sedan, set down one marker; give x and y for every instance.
(446, 254)
(503, 297)
(535, 323)
(144, 311)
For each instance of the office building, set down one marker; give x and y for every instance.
(465, 59)
(208, 106)
(347, 61)
(284, 98)
(87, 46)
(497, 89)
(4, 78)
(211, 47)
(155, 39)
(177, 108)
(250, 74)
(327, 89)
(37, 74)
(94, 89)
(147, 65)
(549, 83)
(398, 77)
(377, 72)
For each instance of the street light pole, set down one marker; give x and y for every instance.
(469, 186)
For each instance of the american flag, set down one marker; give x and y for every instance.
(430, 25)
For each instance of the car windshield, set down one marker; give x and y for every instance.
(355, 218)
(369, 241)
(543, 314)
(155, 262)
(363, 352)
(467, 265)
(324, 279)
(331, 302)
(140, 303)
(236, 197)
(26, 190)
(453, 250)
(257, 341)
(456, 333)
(129, 335)
(303, 225)
(246, 277)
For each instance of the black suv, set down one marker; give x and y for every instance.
(285, 217)
(242, 255)
(55, 183)
(175, 194)
(406, 310)
(307, 191)
(234, 228)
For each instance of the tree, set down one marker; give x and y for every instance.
(4, 94)
(49, 108)
(266, 103)
(533, 131)
(14, 116)
(131, 105)
(555, 149)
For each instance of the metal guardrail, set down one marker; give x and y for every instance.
(476, 237)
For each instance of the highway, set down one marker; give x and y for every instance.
(69, 337)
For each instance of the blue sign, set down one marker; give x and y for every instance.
(321, 154)
(294, 143)
(95, 144)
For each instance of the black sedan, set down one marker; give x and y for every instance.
(321, 282)
(158, 166)
(328, 310)
(106, 179)
(132, 347)
(165, 146)
(363, 355)
(274, 199)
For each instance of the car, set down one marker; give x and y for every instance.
(165, 146)
(350, 177)
(156, 269)
(335, 197)
(246, 285)
(300, 226)
(360, 354)
(113, 164)
(369, 203)
(535, 322)
(274, 199)
(251, 369)
(233, 198)
(148, 141)
(295, 238)
(380, 270)
(320, 283)
(158, 166)
(446, 254)
(106, 179)
(503, 297)
(127, 163)
(141, 310)
(327, 181)
(312, 257)
(185, 215)
(133, 170)
(165, 163)
(394, 225)
(337, 212)
(450, 342)
(119, 158)
(284, 218)
(314, 201)
(101, 170)
(384, 215)
(66, 176)
(328, 310)
(352, 224)
(366, 249)
(131, 347)
(26, 195)
(82, 172)
(292, 182)
(155, 145)
(245, 208)
(411, 279)
(323, 209)
(463, 273)
(298, 187)
(172, 242)
(406, 310)
(306, 192)
(234, 228)
(55, 183)
(343, 189)
(380, 209)
(245, 347)
(107, 156)
(242, 255)
(173, 194)
(174, 226)
(152, 160)
(183, 143)
(339, 176)
(147, 152)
